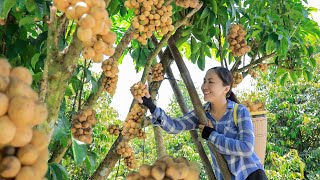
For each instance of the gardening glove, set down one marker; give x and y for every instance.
(148, 103)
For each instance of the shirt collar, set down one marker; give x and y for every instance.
(207, 106)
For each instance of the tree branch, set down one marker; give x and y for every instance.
(258, 61)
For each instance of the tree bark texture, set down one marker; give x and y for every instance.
(197, 105)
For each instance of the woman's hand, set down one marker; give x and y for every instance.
(206, 130)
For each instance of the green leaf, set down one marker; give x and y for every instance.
(62, 128)
(79, 151)
(201, 61)
(182, 40)
(59, 171)
(307, 75)
(30, 5)
(112, 8)
(34, 60)
(90, 161)
(26, 20)
(204, 13)
(207, 50)
(299, 73)
(194, 45)
(186, 32)
(94, 86)
(254, 33)
(6, 6)
(269, 46)
(313, 62)
(293, 76)
(214, 6)
(283, 79)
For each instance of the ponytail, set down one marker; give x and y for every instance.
(233, 97)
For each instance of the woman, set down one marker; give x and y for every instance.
(234, 141)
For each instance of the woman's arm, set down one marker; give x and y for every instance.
(238, 147)
(174, 126)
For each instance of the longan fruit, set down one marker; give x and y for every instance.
(26, 172)
(98, 58)
(22, 74)
(8, 130)
(71, 13)
(157, 172)
(81, 8)
(27, 154)
(39, 140)
(99, 47)
(84, 35)
(145, 170)
(9, 167)
(61, 5)
(40, 114)
(4, 104)
(41, 168)
(88, 53)
(98, 13)
(5, 67)
(86, 21)
(17, 88)
(109, 38)
(21, 110)
(22, 137)
(4, 83)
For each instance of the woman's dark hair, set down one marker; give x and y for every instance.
(226, 76)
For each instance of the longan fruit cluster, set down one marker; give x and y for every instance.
(114, 130)
(253, 74)
(141, 134)
(254, 106)
(167, 168)
(131, 162)
(237, 79)
(150, 16)
(132, 124)
(138, 90)
(94, 26)
(124, 149)
(23, 151)
(110, 70)
(263, 67)
(187, 3)
(157, 74)
(82, 124)
(238, 44)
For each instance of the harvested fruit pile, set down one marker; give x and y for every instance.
(150, 16)
(23, 150)
(110, 69)
(93, 26)
(167, 168)
(187, 3)
(238, 44)
(157, 74)
(82, 124)
(254, 106)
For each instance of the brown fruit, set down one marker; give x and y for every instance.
(5, 67)
(71, 13)
(26, 172)
(61, 5)
(40, 114)
(9, 167)
(81, 8)
(84, 35)
(90, 42)
(99, 46)
(110, 38)
(98, 28)
(99, 13)
(157, 172)
(4, 104)
(39, 140)
(145, 170)
(21, 111)
(22, 137)
(88, 53)
(98, 58)
(41, 168)
(2, 22)
(17, 88)
(22, 74)
(86, 21)
(4, 83)
(109, 51)
(8, 130)
(27, 154)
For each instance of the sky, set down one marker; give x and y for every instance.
(127, 77)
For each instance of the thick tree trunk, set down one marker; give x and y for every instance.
(197, 105)
(161, 149)
(183, 106)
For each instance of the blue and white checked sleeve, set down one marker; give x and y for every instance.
(244, 144)
(173, 126)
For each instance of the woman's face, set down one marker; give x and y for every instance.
(213, 88)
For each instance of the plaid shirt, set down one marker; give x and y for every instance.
(236, 143)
